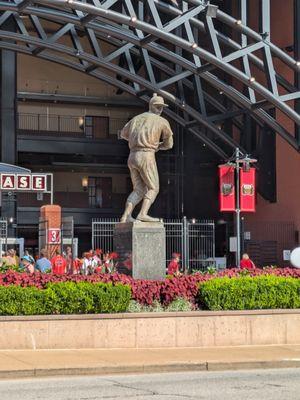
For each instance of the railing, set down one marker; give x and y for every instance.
(194, 239)
(49, 123)
(65, 125)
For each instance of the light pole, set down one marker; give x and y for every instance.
(246, 162)
(237, 209)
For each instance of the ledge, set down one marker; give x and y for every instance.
(190, 314)
(151, 330)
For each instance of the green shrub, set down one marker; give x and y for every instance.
(7, 267)
(136, 307)
(85, 297)
(16, 300)
(180, 304)
(64, 298)
(249, 293)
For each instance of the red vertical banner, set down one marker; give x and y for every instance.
(227, 189)
(247, 190)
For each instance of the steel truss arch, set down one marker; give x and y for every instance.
(161, 53)
(126, 88)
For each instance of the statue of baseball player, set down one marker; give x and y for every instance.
(146, 134)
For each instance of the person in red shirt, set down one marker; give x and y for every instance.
(76, 265)
(59, 264)
(173, 267)
(246, 263)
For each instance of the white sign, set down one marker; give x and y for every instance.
(54, 236)
(8, 182)
(247, 235)
(23, 182)
(233, 244)
(220, 262)
(286, 255)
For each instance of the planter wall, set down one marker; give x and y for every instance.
(151, 330)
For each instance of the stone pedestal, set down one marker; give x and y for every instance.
(141, 247)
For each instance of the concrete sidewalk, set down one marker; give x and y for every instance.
(30, 363)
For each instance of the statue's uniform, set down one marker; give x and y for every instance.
(146, 133)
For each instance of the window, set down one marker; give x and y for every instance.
(96, 127)
(100, 192)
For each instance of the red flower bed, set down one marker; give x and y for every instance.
(143, 291)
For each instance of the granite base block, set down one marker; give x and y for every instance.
(141, 247)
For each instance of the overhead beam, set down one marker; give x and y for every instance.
(73, 99)
(227, 115)
(115, 18)
(91, 68)
(23, 5)
(87, 18)
(297, 56)
(175, 23)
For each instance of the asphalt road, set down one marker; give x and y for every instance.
(281, 384)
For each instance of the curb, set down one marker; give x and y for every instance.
(138, 369)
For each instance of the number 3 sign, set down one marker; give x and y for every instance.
(54, 236)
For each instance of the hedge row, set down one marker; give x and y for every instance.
(249, 293)
(236, 293)
(144, 291)
(64, 298)
(218, 291)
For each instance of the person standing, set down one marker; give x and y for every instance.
(9, 259)
(77, 262)
(58, 264)
(86, 263)
(15, 257)
(43, 264)
(69, 259)
(27, 264)
(26, 253)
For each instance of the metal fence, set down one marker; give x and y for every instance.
(68, 125)
(49, 123)
(103, 233)
(201, 244)
(193, 239)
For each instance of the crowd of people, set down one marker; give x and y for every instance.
(91, 262)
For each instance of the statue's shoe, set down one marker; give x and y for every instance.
(147, 218)
(129, 218)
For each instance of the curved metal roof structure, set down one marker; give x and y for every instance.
(208, 65)
(13, 169)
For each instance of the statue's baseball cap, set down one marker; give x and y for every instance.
(157, 101)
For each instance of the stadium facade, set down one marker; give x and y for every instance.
(74, 72)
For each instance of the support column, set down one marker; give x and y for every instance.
(297, 57)
(50, 229)
(8, 113)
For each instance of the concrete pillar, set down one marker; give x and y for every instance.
(50, 220)
(8, 117)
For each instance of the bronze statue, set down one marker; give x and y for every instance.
(146, 134)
